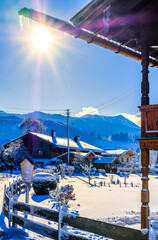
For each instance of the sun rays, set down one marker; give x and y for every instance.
(41, 38)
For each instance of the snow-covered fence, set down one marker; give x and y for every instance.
(153, 229)
(12, 207)
(9, 192)
(66, 219)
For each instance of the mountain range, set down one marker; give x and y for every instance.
(89, 127)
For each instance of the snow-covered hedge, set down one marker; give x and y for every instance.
(48, 169)
(43, 183)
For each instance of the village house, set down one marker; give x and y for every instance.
(42, 147)
(110, 164)
(85, 157)
(114, 159)
(124, 156)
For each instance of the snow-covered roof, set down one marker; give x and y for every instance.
(29, 159)
(62, 142)
(118, 152)
(83, 154)
(105, 160)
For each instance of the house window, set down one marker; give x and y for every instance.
(127, 160)
(40, 152)
(122, 160)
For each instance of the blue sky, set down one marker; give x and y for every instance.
(76, 76)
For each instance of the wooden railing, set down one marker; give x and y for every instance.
(12, 207)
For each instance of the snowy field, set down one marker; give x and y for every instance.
(113, 203)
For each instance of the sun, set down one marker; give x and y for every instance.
(41, 38)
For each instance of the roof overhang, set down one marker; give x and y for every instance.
(123, 21)
(119, 30)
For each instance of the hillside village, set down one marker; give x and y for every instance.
(84, 164)
(43, 148)
(117, 156)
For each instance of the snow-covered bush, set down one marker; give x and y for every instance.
(63, 195)
(57, 177)
(70, 170)
(77, 168)
(77, 162)
(48, 169)
(14, 152)
(62, 169)
(51, 169)
(43, 183)
(87, 170)
(94, 169)
(38, 170)
(101, 171)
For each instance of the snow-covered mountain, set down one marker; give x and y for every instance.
(105, 125)
(89, 127)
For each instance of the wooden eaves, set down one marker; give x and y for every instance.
(86, 35)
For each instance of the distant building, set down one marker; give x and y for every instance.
(78, 155)
(110, 164)
(124, 156)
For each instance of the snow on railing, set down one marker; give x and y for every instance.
(153, 229)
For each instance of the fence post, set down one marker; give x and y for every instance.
(14, 199)
(59, 222)
(149, 227)
(9, 208)
(16, 187)
(27, 192)
(4, 196)
(9, 188)
(19, 186)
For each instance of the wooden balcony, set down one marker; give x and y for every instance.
(149, 127)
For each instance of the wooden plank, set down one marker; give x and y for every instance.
(22, 186)
(104, 229)
(36, 227)
(6, 197)
(6, 212)
(45, 213)
(70, 236)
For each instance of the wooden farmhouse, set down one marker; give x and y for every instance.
(123, 156)
(42, 147)
(86, 157)
(110, 164)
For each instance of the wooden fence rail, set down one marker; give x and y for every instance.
(11, 207)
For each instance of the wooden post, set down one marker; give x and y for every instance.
(145, 82)
(59, 222)
(9, 210)
(4, 196)
(19, 186)
(145, 152)
(145, 190)
(27, 192)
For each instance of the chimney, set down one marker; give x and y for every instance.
(53, 134)
(77, 138)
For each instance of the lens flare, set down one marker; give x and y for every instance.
(41, 38)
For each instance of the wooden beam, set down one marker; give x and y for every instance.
(35, 227)
(145, 82)
(68, 28)
(145, 189)
(104, 229)
(36, 211)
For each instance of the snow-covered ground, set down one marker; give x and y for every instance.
(114, 203)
